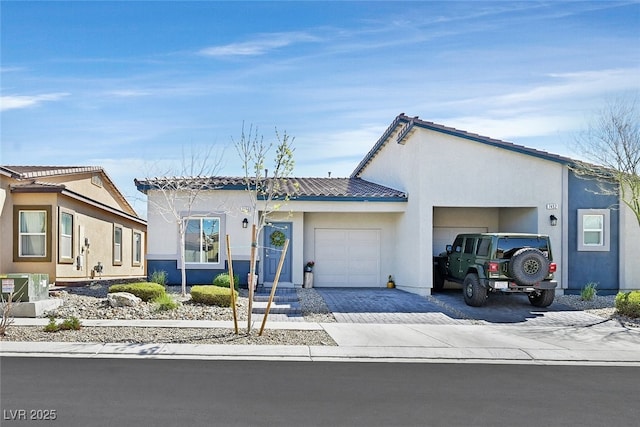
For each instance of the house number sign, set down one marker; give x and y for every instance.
(552, 206)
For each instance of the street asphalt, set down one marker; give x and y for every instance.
(391, 325)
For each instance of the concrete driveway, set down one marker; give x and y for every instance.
(382, 305)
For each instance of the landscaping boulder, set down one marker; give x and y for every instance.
(123, 299)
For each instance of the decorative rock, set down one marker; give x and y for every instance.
(123, 299)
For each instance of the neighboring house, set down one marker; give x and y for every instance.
(71, 223)
(419, 186)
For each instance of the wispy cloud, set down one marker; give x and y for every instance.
(14, 102)
(260, 45)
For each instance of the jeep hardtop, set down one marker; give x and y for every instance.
(498, 262)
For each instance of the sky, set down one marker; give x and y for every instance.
(134, 87)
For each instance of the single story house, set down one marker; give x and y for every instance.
(71, 223)
(420, 185)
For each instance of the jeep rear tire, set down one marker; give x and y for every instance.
(475, 294)
(542, 298)
(528, 266)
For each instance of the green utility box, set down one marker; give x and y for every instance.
(25, 287)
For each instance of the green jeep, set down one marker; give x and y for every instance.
(498, 262)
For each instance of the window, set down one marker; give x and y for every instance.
(65, 240)
(593, 230)
(32, 233)
(457, 245)
(137, 248)
(202, 240)
(117, 245)
(483, 247)
(468, 245)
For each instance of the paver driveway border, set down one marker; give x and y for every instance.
(383, 305)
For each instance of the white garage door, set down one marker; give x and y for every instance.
(443, 236)
(347, 258)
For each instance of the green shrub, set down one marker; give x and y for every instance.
(52, 326)
(212, 295)
(589, 291)
(71, 323)
(223, 280)
(159, 277)
(165, 302)
(628, 303)
(144, 290)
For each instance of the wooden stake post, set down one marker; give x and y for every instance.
(232, 286)
(254, 245)
(275, 285)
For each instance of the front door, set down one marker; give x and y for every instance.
(274, 238)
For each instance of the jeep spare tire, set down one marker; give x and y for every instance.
(528, 266)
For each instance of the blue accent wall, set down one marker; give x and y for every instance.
(197, 277)
(585, 267)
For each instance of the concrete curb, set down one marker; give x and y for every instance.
(510, 344)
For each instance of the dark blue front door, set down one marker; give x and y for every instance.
(274, 236)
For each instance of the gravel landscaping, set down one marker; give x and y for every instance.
(90, 302)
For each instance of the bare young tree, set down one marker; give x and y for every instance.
(611, 148)
(174, 194)
(268, 189)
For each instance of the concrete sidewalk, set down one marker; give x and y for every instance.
(602, 344)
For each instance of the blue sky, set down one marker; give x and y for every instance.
(127, 85)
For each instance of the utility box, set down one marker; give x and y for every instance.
(25, 287)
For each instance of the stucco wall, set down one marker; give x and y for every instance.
(592, 266)
(629, 251)
(440, 170)
(82, 184)
(385, 222)
(91, 222)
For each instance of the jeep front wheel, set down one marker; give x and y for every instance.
(475, 294)
(542, 298)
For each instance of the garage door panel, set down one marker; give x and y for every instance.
(347, 257)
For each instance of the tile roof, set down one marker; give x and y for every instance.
(405, 125)
(35, 173)
(26, 172)
(346, 189)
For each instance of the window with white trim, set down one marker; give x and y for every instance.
(593, 230)
(65, 240)
(117, 245)
(202, 240)
(32, 241)
(137, 248)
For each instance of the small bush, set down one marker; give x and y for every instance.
(223, 280)
(165, 302)
(71, 323)
(212, 295)
(159, 277)
(145, 291)
(628, 303)
(589, 291)
(52, 326)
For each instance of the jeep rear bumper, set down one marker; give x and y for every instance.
(507, 286)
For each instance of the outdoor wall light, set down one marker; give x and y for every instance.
(245, 223)
(553, 220)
